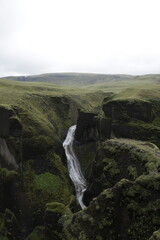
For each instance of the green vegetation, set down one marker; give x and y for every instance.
(38, 199)
(37, 234)
(48, 183)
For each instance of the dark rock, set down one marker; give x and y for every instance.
(9, 123)
(53, 222)
(5, 115)
(86, 130)
(37, 234)
(122, 158)
(104, 128)
(127, 110)
(15, 129)
(137, 130)
(11, 224)
(129, 210)
(87, 197)
(86, 154)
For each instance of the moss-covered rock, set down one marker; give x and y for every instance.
(155, 235)
(86, 130)
(129, 109)
(37, 234)
(86, 154)
(127, 211)
(137, 130)
(56, 216)
(8, 180)
(9, 226)
(123, 158)
(135, 118)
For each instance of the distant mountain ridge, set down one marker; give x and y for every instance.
(82, 79)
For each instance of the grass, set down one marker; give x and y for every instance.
(51, 184)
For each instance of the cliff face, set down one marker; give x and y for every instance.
(126, 182)
(123, 192)
(129, 210)
(33, 169)
(133, 118)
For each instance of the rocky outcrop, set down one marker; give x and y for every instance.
(134, 119)
(122, 158)
(127, 110)
(9, 227)
(9, 123)
(86, 130)
(155, 235)
(126, 180)
(5, 121)
(104, 128)
(55, 216)
(129, 210)
(10, 131)
(137, 130)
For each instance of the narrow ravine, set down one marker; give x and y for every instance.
(74, 168)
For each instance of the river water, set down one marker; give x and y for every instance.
(74, 168)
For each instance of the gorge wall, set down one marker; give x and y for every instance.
(119, 155)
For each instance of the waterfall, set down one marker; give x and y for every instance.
(7, 159)
(74, 168)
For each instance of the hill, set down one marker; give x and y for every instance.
(89, 79)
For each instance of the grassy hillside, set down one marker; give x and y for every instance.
(106, 82)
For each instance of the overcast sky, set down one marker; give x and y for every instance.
(99, 36)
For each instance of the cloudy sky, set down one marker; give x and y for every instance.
(99, 36)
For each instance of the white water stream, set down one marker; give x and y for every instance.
(7, 156)
(74, 168)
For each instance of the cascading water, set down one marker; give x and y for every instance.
(8, 159)
(74, 169)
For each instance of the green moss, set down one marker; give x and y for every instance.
(51, 185)
(37, 145)
(56, 166)
(57, 215)
(9, 227)
(155, 235)
(111, 167)
(150, 181)
(132, 172)
(3, 230)
(86, 155)
(58, 208)
(7, 175)
(37, 234)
